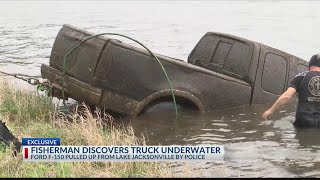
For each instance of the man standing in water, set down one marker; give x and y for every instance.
(307, 84)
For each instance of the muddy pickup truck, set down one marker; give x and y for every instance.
(222, 71)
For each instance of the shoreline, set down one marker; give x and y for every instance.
(28, 114)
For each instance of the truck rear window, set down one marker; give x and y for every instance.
(224, 55)
(238, 60)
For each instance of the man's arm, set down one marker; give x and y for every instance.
(283, 99)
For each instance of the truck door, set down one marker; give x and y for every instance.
(272, 76)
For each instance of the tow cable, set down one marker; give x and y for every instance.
(41, 84)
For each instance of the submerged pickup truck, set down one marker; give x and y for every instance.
(222, 71)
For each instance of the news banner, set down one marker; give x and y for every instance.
(50, 150)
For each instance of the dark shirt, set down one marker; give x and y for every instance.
(307, 84)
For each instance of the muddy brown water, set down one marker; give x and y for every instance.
(254, 148)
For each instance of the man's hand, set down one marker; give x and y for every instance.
(283, 99)
(267, 114)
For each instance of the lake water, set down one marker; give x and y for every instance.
(254, 148)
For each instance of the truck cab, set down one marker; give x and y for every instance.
(267, 70)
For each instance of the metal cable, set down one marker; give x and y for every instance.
(31, 80)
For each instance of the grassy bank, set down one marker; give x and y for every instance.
(29, 115)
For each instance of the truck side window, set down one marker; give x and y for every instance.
(274, 74)
(295, 69)
(302, 67)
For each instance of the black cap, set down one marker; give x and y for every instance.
(315, 60)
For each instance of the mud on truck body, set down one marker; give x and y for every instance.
(222, 71)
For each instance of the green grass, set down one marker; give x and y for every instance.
(28, 114)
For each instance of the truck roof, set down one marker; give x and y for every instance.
(247, 40)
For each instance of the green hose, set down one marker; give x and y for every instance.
(116, 34)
